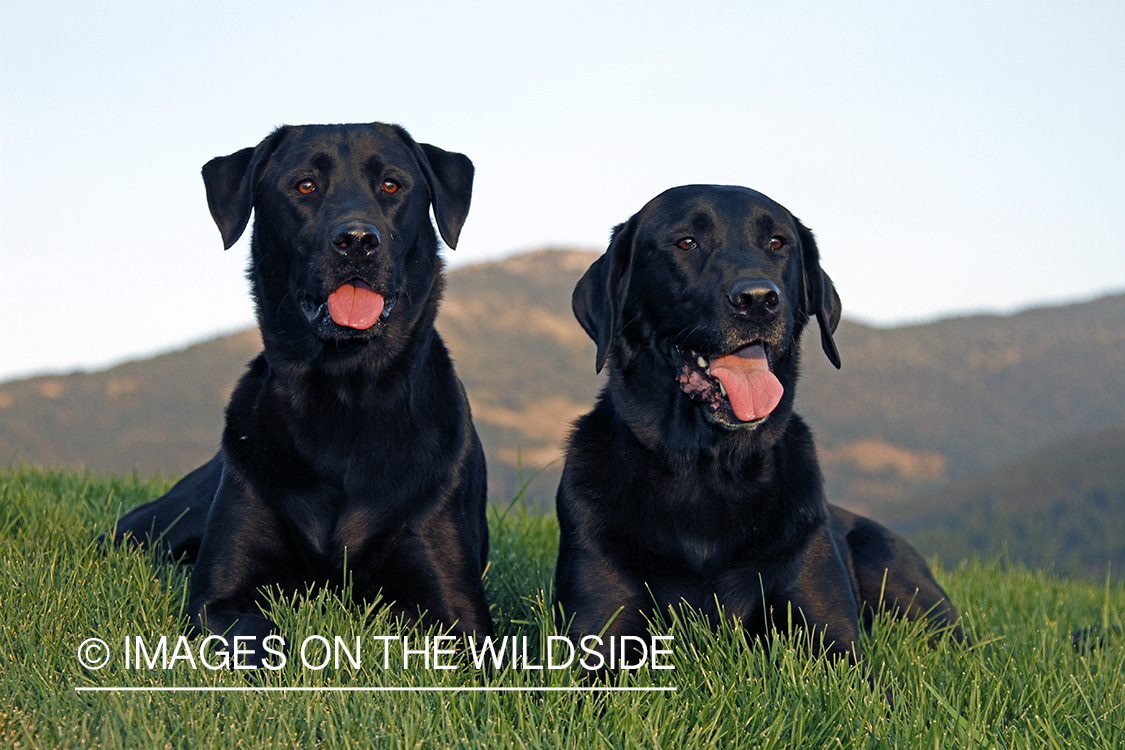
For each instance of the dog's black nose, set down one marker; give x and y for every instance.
(356, 238)
(758, 299)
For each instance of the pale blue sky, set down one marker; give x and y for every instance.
(952, 157)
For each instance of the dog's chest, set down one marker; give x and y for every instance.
(703, 528)
(345, 513)
(692, 528)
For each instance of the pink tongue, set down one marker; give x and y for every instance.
(753, 390)
(355, 305)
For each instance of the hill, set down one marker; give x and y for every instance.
(527, 365)
(912, 409)
(163, 414)
(1061, 507)
(916, 406)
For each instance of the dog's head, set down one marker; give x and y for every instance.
(698, 305)
(343, 250)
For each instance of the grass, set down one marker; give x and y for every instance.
(1023, 685)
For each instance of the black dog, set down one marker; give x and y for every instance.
(692, 480)
(348, 442)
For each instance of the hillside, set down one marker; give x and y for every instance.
(527, 365)
(1061, 507)
(919, 405)
(161, 414)
(912, 409)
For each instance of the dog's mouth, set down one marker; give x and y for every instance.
(741, 382)
(353, 305)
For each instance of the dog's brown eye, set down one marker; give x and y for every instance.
(390, 186)
(776, 243)
(687, 243)
(304, 187)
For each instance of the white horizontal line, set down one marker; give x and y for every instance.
(329, 689)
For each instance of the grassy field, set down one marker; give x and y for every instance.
(1023, 685)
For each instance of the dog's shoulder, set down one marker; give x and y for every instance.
(593, 438)
(595, 430)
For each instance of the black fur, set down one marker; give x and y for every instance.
(668, 498)
(343, 446)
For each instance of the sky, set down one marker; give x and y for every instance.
(952, 158)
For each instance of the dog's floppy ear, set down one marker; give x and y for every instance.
(450, 177)
(600, 292)
(823, 302)
(230, 182)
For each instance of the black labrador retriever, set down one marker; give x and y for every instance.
(692, 480)
(348, 442)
